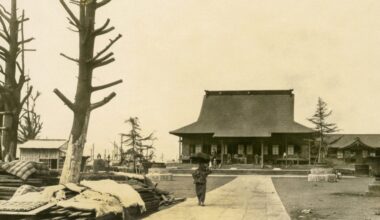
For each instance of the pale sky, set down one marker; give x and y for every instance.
(173, 50)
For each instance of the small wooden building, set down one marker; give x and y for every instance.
(251, 126)
(49, 151)
(353, 148)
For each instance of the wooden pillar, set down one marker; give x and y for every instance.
(59, 155)
(179, 149)
(222, 153)
(262, 154)
(309, 152)
(286, 151)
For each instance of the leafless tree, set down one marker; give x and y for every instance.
(30, 124)
(87, 62)
(13, 71)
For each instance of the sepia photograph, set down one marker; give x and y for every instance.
(189, 110)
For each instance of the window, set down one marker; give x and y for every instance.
(198, 148)
(365, 153)
(372, 154)
(265, 150)
(51, 163)
(339, 154)
(249, 149)
(290, 150)
(241, 149)
(275, 150)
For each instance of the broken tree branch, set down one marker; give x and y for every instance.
(102, 3)
(28, 93)
(71, 14)
(5, 10)
(3, 13)
(106, 62)
(25, 41)
(103, 102)
(64, 99)
(4, 51)
(107, 47)
(100, 29)
(102, 59)
(69, 58)
(2, 35)
(5, 30)
(97, 88)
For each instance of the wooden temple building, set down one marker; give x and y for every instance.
(353, 148)
(250, 126)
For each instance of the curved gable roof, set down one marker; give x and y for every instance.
(245, 114)
(348, 140)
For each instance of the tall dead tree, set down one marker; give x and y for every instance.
(30, 124)
(88, 61)
(12, 35)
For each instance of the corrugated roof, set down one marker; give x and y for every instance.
(348, 140)
(44, 144)
(247, 113)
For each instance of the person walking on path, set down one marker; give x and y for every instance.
(200, 181)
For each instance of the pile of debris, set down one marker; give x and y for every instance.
(153, 197)
(106, 195)
(9, 183)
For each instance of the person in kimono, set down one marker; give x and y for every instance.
(200, 181)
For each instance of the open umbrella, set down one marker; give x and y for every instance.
(201, 157)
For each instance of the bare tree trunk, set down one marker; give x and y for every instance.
(71, 167)
(11, 90)
(87, 62)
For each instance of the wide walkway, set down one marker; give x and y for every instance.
(244, 198)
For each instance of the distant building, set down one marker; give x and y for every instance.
(246, 127)
(353, 148)
(48, 151)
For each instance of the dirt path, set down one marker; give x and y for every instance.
(245, 198)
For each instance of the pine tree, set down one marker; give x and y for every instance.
(137, 141)
(322, 126)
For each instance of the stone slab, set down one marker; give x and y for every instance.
(157, 177)
(322, 178)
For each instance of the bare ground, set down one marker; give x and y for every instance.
(346, 199)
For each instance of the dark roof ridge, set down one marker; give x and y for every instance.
(353, 134)
(249, 92)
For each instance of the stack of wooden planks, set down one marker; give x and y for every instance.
(10, 183)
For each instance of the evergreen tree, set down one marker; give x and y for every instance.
(137, 141)
(322, 126)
